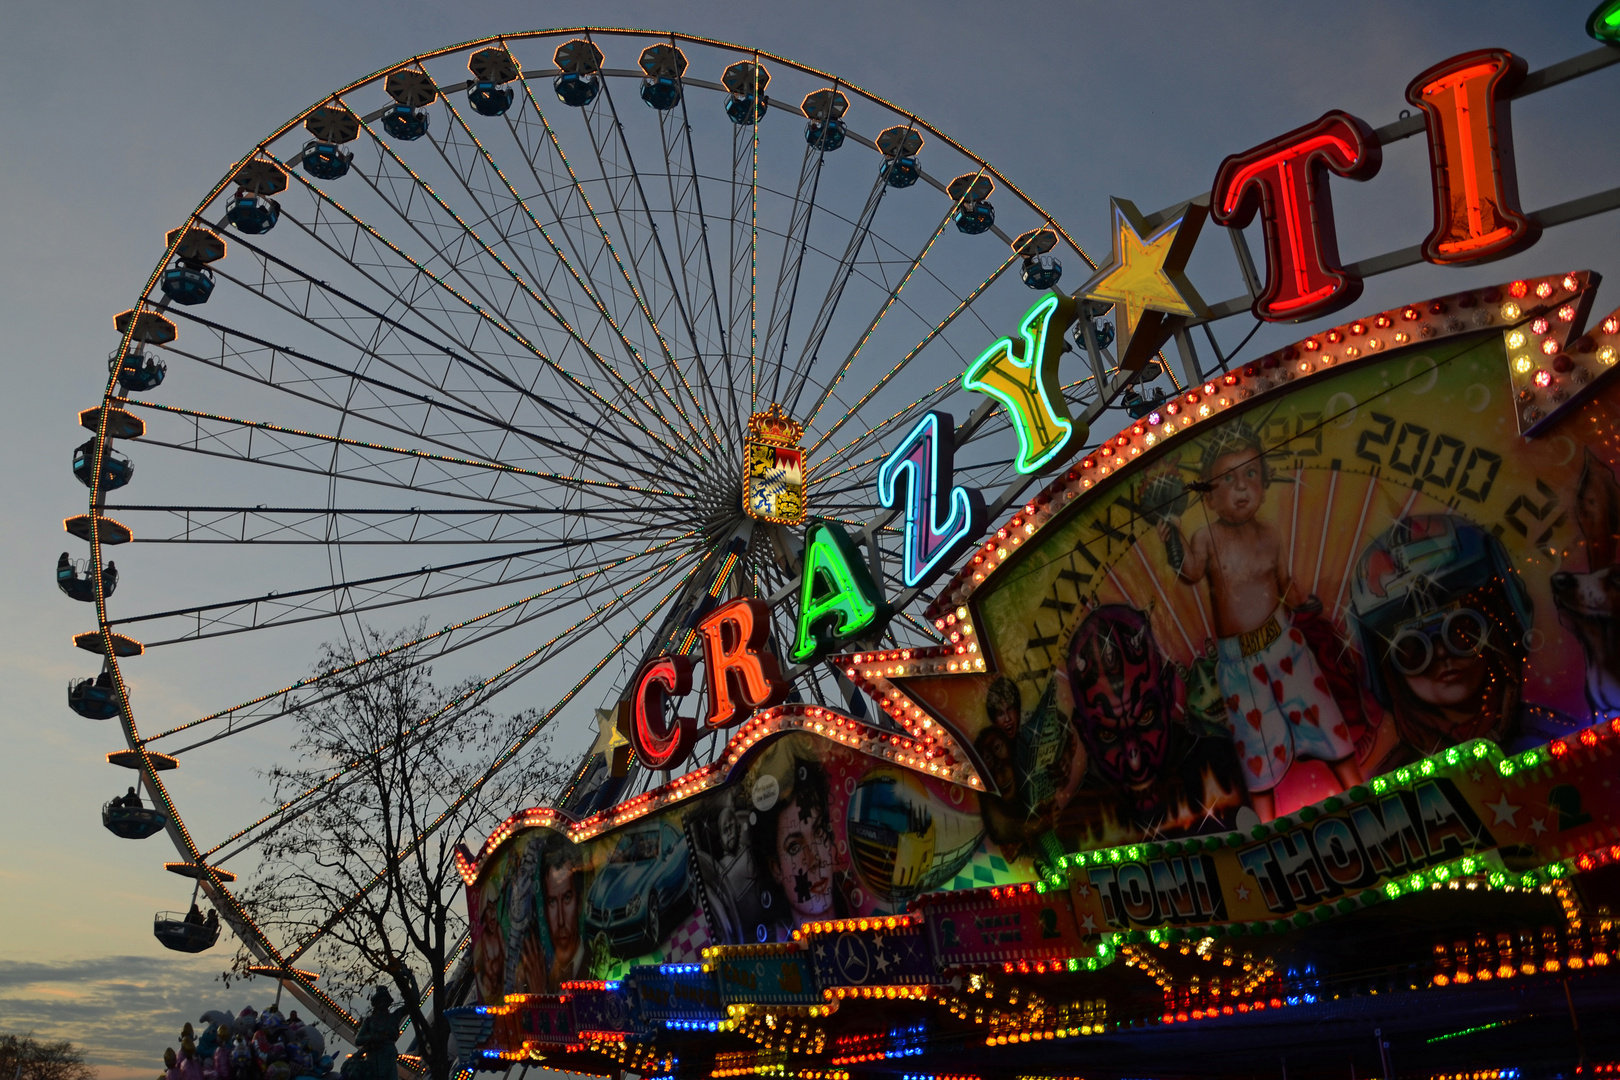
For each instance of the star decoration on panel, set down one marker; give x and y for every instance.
(1144, 279)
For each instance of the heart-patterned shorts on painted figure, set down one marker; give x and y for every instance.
(1278, 703)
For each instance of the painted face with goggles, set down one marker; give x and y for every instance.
(1441, 656)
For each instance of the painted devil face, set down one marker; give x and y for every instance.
(1124, 693)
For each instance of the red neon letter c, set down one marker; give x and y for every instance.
(661, 743)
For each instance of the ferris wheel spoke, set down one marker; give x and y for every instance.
(651, 242)
(925, 630)
(744, 232)
(567, 422)
(462, 353)
(791, 265)
(846, 267)
(883, 309)
(478, 152)
(928, 338)
(821, 471)
(398, 465)
(535, 148)
(638, 235)
(502, 760)
(316, 689)
(471, 268)
(258, 362)
(350, 598)
(354, 526)
(326, 204)
(697, 257)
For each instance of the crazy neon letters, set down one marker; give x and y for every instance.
(927, 454)
(1023, 376)
(837, 599)
(1285, 181)
(1476, 197)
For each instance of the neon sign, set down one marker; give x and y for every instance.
(1465, 106)
(1145, 280)
(662, 742)
(742, 673)
(1285, 181)
(1476, 196)
(837, 598)
(927, 453)
(1025, 380)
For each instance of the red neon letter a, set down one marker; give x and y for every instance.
(1285, 181)
(1476, 196)
(741, 676)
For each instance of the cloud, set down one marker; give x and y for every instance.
(121, 1010)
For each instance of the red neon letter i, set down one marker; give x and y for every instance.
(1476, 198)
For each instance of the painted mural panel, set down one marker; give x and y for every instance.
(1314, 589)
(806, 830)
(812, 830)
(528, 917)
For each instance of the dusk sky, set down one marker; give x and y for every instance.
(122, 116)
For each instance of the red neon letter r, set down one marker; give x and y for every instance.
(741, 676)
(1476, 193)
(1284, 180)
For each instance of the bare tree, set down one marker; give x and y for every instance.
(364, 876)
(27, 1058)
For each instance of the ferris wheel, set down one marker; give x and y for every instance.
(477, 343)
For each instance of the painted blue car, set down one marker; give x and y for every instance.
(642, 892)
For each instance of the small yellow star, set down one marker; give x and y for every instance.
(610, 741)
(1145, 281)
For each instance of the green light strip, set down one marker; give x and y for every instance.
(1469, 1031)
(1431, 878)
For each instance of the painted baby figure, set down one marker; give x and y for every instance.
(1278, 704)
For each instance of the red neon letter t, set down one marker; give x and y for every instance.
(1285, 181)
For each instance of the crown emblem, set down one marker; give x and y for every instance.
(775, 427)
(773, 468)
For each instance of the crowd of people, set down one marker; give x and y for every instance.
(249, 1046)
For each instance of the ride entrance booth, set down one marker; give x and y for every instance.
(986, 684)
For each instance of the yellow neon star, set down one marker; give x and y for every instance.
(1145, 281)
